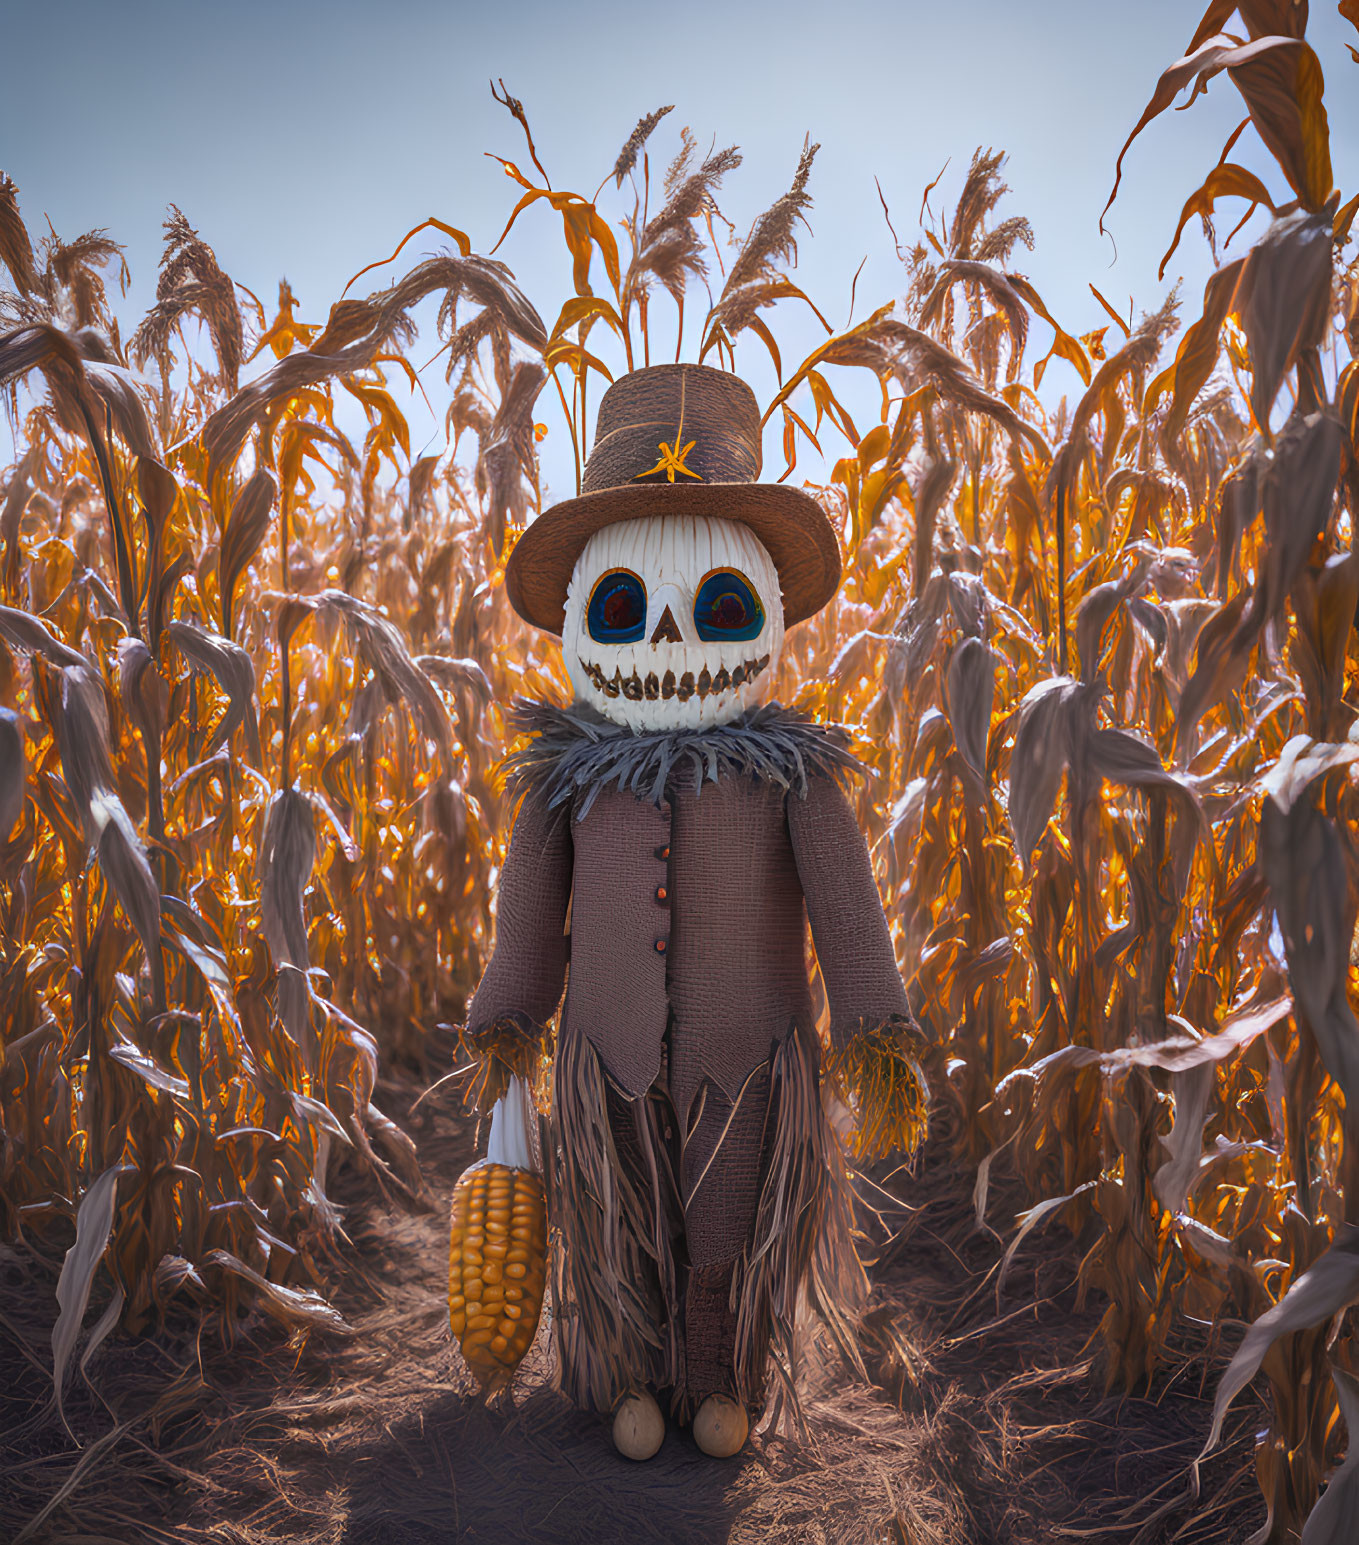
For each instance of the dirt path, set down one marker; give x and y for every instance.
(995, 1430)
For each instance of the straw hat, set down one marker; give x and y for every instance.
(676, 440)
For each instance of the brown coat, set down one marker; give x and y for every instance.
(698, 906)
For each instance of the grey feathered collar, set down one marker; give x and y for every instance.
(575, 752)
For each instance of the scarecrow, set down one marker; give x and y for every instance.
(675, 836)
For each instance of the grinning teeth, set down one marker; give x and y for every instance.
(635, 689)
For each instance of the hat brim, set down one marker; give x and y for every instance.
(793, 527)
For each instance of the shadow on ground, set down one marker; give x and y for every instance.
(543, 1475)
(984, 1423)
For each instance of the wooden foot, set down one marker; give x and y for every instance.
(721, 1426)
(638, 1427)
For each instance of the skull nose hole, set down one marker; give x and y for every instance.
(667, 628)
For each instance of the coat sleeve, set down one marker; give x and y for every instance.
(853, 946)
(522, 986)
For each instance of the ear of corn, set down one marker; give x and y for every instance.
(497, 1256)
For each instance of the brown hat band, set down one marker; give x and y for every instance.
(657, 452)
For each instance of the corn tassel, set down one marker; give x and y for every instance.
(497, 1259)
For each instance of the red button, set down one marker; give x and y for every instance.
(663, 852)
(660, 946)
(661, 893)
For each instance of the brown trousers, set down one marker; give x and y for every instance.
(710, 1193)
(683, 1251)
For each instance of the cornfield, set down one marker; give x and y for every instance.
(1102, 657)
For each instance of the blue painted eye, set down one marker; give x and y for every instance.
(617, 611)
(726, 607)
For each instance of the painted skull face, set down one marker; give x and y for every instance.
(673, 623)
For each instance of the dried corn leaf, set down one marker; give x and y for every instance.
(140, 687)
(83, 738)
(212, 964)
(33, 636)
(936, 483)
(1304, 862)
(1283, 297)
(1039, 759)
(245, 529)
(1124, 758)
(317, 1111)
(1225, 642)
(1190, 1090)
(1175, 1054)
(384, 650)
(507, 454)
(117, 394)
(1331, 1521)
(103, 1326)
(13, 771)
(1325, 604)
(1281, 80)
(135, 1060)
(173, 1271)
(1329, 1285)
(287, 856)
(1298, 493)
(971, 692)
(1096, 612)
(292, 1003)
(94, 1223)
(1226, 180)
(122, 858)
(1198, 352)
(234, 672)
(357, 330)
(999, 288)
(1028, 1221)
(16, 499)
(300, 1308)
(467, 674)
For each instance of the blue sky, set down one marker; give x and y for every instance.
(305, 137)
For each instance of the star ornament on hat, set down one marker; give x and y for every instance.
(672, 576)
